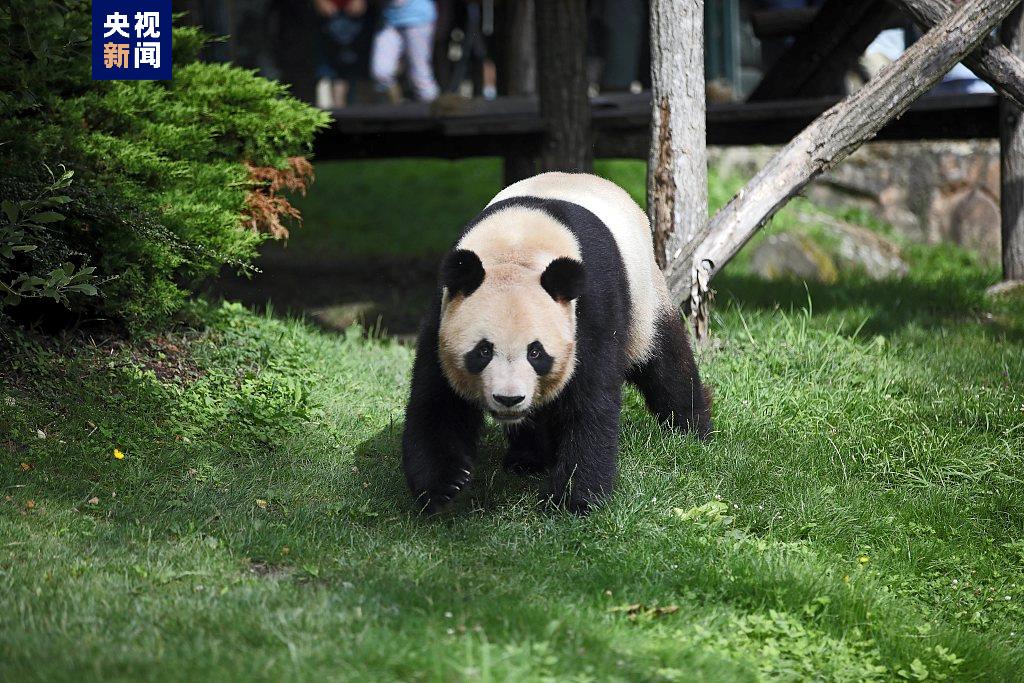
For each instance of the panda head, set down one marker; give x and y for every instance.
(507, 340)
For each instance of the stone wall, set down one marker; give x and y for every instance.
(928, 191)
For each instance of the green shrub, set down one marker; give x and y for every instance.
(172, 179)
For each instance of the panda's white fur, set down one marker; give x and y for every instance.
(630, 228)
(511, 309)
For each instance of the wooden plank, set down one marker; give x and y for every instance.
(621, 126)
(814, 64)
(782, 23)
(992, 61)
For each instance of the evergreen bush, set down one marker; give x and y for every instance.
(172, 179)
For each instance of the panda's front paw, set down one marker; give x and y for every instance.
(525, 461)
(576, 498)
(433, 496)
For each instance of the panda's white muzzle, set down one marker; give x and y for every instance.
(508, 387)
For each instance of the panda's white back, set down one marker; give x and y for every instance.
(631, 230)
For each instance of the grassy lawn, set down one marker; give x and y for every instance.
(414, 207)
(858, 516)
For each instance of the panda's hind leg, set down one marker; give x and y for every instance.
(670, 382)
(530, 448)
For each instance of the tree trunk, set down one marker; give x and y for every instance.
(829, 139)
(517, 49)
(1011, 146)
(562, 84)
(677, 168)
(517, 74)
(1002, 68)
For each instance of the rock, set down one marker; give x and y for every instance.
(846, 248)
(866, 250)
(974, 224)
(930, 192)
(1006, 288)
(343, 316)
(791, 256)
(894, 209)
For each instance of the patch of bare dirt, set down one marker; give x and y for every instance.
(265, 570)
(385, 294)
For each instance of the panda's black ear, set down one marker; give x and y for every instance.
(563, 279)
(462, 272)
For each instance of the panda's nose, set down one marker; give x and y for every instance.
(508, 401)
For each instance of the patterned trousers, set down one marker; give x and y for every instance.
(416, 43)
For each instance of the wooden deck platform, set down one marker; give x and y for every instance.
(470, 128)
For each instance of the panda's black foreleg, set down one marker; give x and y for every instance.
(440, 436)
(531, 449)
(670, 382)
(587, 449)
(438, 450)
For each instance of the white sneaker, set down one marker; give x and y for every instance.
(324, 94)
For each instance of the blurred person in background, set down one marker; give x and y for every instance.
(340, 49)
(406, 31)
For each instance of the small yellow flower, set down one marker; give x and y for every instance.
(846, 579)
(262, 504)
(118, 455)
(863, 559)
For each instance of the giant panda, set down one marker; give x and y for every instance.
(549, 301)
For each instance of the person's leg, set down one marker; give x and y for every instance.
(419, 42)
(347, 35)
(340, 92)
(387, 49)
(325, 72)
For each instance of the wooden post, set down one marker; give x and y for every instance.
(517, 74)
(562, 85)
(828, 140)
(1011, 147)
(677, 168)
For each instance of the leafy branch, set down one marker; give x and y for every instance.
(22, 226)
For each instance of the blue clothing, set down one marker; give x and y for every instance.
(404, 13)
(340, 46)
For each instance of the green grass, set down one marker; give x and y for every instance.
(392, 208)
(417, 207)
(858, 515)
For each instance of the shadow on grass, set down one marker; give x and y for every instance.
(390, 293)
(894, 304)
(384, 293)
(379, 458)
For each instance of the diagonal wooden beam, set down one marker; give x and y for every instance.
(837, 36)
(991, 61)
(828, 140)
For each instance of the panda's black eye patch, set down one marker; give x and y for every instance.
(477, 359)
(539, 358)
